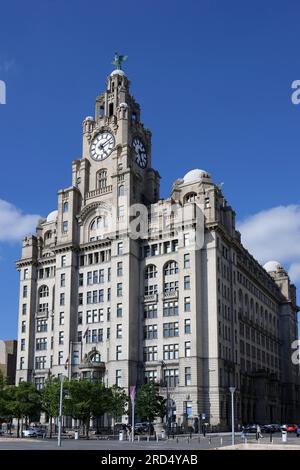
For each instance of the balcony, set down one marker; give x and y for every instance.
(150, 298)
(173, 294)
(42, 314)
(99, 192)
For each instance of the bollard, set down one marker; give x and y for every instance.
(209, 440)
(157, 438)
(147, 438)
(271, 437)
(138, 438)
(177, 440)
(221, 441)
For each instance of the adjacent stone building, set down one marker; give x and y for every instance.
(181, 301)
(8, 359)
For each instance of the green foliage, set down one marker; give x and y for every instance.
(23, 401)
(149, 404)
(117, 401)
(50, 396)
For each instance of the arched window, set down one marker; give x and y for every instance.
(44, 291)
(65, 206)
(48, 235)
(102, 179)
(171, 268)
(121, 190)
(98, 223)
(191, 197)
(96, 357)
(150, 271)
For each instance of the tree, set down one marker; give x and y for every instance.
(24, 401)
(86, 400)
(149, 404)
(117, 402)
(50, 397)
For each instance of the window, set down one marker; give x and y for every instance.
(65, 226)
(170, 330)
(62, 299)
(108, 274)
(65, 207)
(61, 337)
(118, 353)
(150, 332)
(39, 383)
(95, 316)
(101, 276)
(41, 326)
(22, 361)
(26, 273)
(187, 304)
(25, 291)
(121, 212)
(43, 308)
(187, 282)
(24, 309)
(43, 291)
(63, 260)
(23, 344)
(186, 239)
(121, 190)
(120, 268)
(75, 358)
(40, 362)
(171, 377)
(108, 333)
(119, 289)
(151, 290)
(80, 280)
(62, 280)
(188, 409)
(187, 376)
(150, 310)
(120, 248)
(187, 326)
(119, 310)
(80, 298)
(60, 357)
(119, 382)
(61, 318)
(186, 261)
(171, 351)
(150, 375)
(150, 353)
(170, 287)
(187, 349)
(23, 326)
(119, 331)
(191, 197)
(170, 309)
(102, 179)
(171, 268)
(150, 271)
(79, 318)
(41, 344)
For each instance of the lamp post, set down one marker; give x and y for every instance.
(232, 390)
(60, 410)
(164, 366)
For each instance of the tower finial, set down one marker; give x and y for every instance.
(118, 59)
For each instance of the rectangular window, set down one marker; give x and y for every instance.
(41, 344)
(95, 316)
(119, 289)
(79, 318)
(108, 274)
(62, 280)
(119, 331)
(89, 278)
(187, 282)
(120, 248)
(39, 383)
(101, 295)
(187, 326)
(63, 260)
(61, 318)
(65, 207)
(23, 326)
(75, 358)
(119, 382)
(171, 377)
(151, 289)
(79, 336)
(101, 276)
(170, 330)
(62, 299)
(119, 310)
(23, 344)
(60, 357)
(25, 291)
(22, 361)
(88, 316)
(80, 280)
(150, 376)
(26, 274)
(41, 326)
(150, 310)
(187, 349)
(186, 261)
(186, 239)
(61, 337)
(189, 409)
(101, 314)
(89, 297)
(150, 353)
(120, 268)
(65, 226)
(118, 353)
(187, 376)
(150, 332)
(170, 308)
(40, 362)
(24, 309)
(171, 351)
(187, 304)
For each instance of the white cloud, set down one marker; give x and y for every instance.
(274, 234)
(14, 225)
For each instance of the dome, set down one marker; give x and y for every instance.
(123, 105)
(195, 175)
(272, 266)
(52, 217)
(89, 118)
(117, 72)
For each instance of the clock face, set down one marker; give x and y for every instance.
(139, 152)
(102, 146)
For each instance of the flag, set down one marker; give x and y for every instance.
(132, 392)
(67, 363)
(86, 332)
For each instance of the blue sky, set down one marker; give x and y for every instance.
(214, 82)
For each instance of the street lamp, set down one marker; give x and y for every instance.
(232, 390)
(60, 410)
(164, 366)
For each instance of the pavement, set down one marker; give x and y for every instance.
(213, 441)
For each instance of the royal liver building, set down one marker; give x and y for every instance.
(120, 285)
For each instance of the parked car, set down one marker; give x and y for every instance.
(33, 432)
(289, 427)
(250, 428)
(140, 428)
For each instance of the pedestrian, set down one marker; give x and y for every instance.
(258, 432)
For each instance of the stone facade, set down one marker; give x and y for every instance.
(97, 301)
(8, 359)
